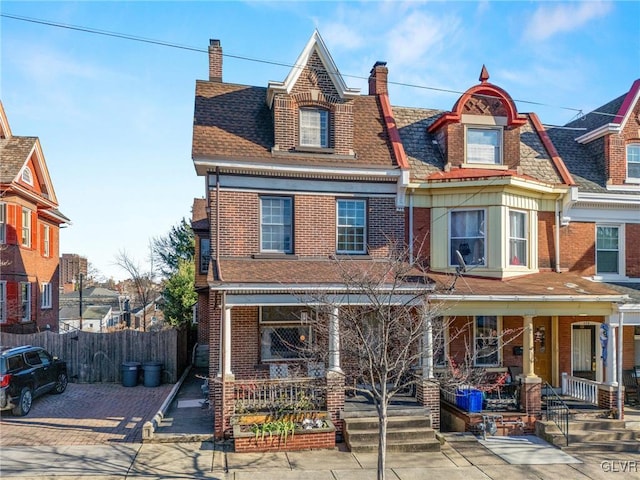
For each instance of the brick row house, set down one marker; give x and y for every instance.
(304, 171)
(30, 223)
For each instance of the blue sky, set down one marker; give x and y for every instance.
(114, 116)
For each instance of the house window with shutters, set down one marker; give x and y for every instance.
(46, 241)
(25, 301)
(26, 227)
(3, 222)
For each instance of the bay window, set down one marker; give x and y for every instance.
(467, 236)
(517, 238)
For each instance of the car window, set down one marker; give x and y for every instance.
(45, 358)
(32, 358)
(3, 365)
(15, 363)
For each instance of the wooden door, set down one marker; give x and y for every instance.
(542, 347)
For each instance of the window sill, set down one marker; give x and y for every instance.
(274, 256)
(311, 149)
(486, 166)
(347, 256)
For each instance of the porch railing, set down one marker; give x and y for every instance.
(580, 388)
(282, 395)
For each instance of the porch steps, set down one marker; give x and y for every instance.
(602, 435)
(405, 433)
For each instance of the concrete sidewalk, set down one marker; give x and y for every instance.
(466, 460)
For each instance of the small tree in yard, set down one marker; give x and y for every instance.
(143, 282)
(383, 318)
(179, 294)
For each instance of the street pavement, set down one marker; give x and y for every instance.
(94, 432)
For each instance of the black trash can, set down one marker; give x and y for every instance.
(152, 374)
(130, 374)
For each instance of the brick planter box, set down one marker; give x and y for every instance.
(313, 439)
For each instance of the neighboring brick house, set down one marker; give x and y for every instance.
(488, 186)
(602, 237)
(29, 235)
(298, 173)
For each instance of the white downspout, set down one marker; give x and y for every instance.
(410, 228)
(619, 366)
(557, 236)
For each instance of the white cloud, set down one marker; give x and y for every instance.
(342, 36)
(549, 20)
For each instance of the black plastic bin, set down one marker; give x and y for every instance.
(130, 372)
(152, 374)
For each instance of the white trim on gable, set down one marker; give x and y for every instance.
(315, 44)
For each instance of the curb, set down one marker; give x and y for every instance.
(149, 428)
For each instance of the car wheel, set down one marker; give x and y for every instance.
(61, 384)
(24, 403)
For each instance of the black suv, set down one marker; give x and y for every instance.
(28, 372)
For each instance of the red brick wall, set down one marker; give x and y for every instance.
(512, 328)
(632, 249)
(577, 248)
(245, 342)
(315, 219)
(546, 240)
(299, 441)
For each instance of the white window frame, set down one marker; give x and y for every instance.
(477, 338)
(286, 207)
(513, 238)
(314, 127)
(25, 301)
(3, 301)
(27, 176)
(479, 153)
(297, 318)
(46, 295)
(46, 240)
(351, 222)
(453, 261)
(25, 235)
(621, 253)
(3, 223)
(632, 153)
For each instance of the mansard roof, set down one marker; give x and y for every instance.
(233, 123)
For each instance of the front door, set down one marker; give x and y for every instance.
(584, 351)
(542, 347)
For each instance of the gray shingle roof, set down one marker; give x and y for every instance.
(14, 152)
(600, 116)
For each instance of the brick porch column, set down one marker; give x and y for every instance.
(428, 395)
(335, 398)
(222, 408)
(531, 394)
(608, 398)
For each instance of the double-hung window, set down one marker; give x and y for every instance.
(633, 161)
(46, 295)
(46, 240)
(276, 224)
(26, 227)
(314, 127)
(25, 301)
(3, 222)
(517, 238)
(467, 236)
(285, 333)
(205, 254)
(487, 347)
(351, 226)
(484, 145)
(607, 249)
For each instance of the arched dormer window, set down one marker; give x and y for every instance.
(314, 127)
(27, 177)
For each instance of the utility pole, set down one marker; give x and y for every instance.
(80, 282)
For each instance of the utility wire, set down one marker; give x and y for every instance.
(124, 36)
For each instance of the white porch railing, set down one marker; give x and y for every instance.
(580, 388)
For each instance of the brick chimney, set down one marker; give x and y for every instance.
(215, 61)
(378, 78)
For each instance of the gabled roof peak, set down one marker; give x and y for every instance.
(315, 44)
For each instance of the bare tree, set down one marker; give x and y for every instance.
(388, 328)
(142, 281)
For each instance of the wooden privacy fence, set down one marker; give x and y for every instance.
(98, 357)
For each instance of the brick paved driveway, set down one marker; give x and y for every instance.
(85, 414)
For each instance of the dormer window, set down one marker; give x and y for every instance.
(484, 145)
(26, 176)
(314, 127)
(633, 161)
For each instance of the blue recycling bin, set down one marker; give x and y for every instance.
(130, 372)
(469, 399)
(152, 374)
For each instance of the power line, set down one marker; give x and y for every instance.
(125, 36)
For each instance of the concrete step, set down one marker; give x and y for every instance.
(406, 446)
(392, 435)
(392, 411)
(593, 424)
(371, 423)
(609, 435)
(621, 446)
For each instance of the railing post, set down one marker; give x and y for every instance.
(565, 383)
